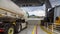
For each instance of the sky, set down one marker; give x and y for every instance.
(33, 8)
(37, 13)
(40, 9)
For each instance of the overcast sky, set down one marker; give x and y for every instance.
(40, 8)
(37, 13)
(33, 8)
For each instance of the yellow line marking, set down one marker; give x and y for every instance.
(46, 30)
(33, 32)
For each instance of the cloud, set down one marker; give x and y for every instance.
(37, 13)
(30, 9)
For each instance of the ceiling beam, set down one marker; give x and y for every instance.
(28, 2)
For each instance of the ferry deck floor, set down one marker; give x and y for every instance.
(33, 29)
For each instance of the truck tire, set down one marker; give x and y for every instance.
(18, 28)
(9, 29)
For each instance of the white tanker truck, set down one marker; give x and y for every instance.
(12, 18)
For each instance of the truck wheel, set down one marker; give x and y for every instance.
(18, 27)
(9, 30)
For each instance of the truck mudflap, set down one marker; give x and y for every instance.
(1, 27)
(1, 30)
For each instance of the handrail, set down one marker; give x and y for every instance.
(53, 26)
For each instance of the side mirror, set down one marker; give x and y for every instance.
(23, 21)
(57, 18)
(18, 20)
